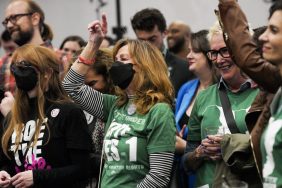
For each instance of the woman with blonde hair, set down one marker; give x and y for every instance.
(140, 128)
(45, 136)
(206, 152)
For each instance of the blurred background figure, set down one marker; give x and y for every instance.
(178, 36)
(206, 75)
(99, 79)
(70, 46)
(149, 24)
(107, 42)
(8, 45)
(7, 81)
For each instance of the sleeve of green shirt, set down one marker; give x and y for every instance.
(194, 123)
(161, 129)
(108, 103)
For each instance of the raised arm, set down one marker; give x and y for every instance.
(97, 31)
(243, 49)
(89, 99)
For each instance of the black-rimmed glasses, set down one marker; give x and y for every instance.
(14, 18)
(212, 54)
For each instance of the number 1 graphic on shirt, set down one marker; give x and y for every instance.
(112, 152)
(132, 142)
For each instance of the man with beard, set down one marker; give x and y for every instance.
(149, 24)
(24, 20)
(178, 37)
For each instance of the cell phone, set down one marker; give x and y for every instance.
(2, 94)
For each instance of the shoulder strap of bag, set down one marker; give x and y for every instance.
(227, 111)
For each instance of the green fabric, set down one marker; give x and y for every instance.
(238, 162)
(131, 138)
(207, 111)
(271, 143)
(235, 143)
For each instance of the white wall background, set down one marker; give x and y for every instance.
(67, 17)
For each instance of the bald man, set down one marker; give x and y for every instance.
(178, 38)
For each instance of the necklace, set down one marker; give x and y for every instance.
(131, 109)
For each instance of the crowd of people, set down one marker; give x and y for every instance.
(202, 111)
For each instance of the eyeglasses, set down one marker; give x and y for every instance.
(212, 54)
(21, 65)
(14, 18)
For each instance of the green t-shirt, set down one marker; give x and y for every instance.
(207, 112)
(271, 146)
(131, 138)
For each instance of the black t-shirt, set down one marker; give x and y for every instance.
(59, 157)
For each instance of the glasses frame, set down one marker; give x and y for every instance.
(14, 18)
(218, 52)
(22, 64)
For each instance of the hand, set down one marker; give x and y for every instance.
(181, 133)
(211, 147)
(4, 179)
(7, 103)
(22, 179)
(98, 30)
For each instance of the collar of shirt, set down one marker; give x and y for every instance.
(244, 86)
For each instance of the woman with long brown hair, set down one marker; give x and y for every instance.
(140, 129)
(45, 136)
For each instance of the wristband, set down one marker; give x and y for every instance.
(85, 61)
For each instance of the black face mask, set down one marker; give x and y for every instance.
(121, 74)
(25, 76)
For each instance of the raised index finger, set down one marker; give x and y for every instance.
(104, 23)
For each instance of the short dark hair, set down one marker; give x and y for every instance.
(277, 5)
(200, 43)
(146, 20)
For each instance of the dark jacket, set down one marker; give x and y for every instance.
(243, 50)
(178, 71)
